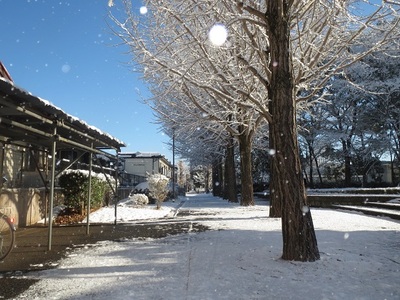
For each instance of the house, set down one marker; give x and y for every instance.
(142, 164)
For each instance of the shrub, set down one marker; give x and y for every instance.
(158, 187)
(75, 186)
(99, 191)
(139, 199)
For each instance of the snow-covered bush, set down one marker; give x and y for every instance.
(139, 199)
(75, 187)
(158, 187)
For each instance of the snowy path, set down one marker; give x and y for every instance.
(359, 260)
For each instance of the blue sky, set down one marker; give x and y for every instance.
(64, 52)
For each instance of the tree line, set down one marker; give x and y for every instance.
(278, 61)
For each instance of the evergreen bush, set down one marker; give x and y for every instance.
(75, 186)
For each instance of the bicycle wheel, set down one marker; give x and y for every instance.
(7, 236)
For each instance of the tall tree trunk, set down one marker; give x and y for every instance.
(230, 190)
(317, 167)
(275, 203)
(299, 240)
(217, 177)
(347, 163)
(311, 175)
(207, 180)
(245, 146)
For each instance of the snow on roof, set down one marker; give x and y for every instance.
(25, 98)
(147, 154)
(140, 154)
(4, 72)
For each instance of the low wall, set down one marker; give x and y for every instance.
(327, 200)
(28, 205)
(21, 204)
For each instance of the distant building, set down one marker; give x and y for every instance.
(143, 164)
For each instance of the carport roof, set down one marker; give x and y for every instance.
(29, 121)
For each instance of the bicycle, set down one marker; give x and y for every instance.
(7, 235)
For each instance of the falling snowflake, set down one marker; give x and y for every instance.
(65, 68)
(218, 34)
(143, 10)
(305, 209)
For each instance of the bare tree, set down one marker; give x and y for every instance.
(274, 51)
(178, 59)
(313, 38)
(201, 142)
(183, 173)
(158, 187)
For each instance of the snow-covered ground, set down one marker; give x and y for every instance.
(238, 259)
